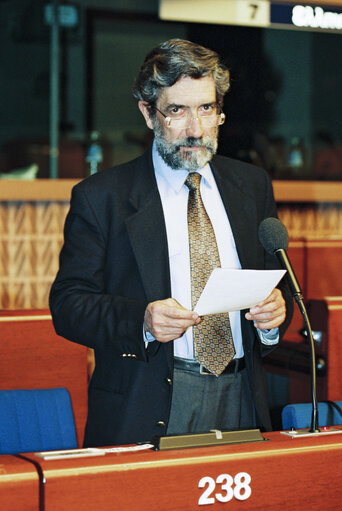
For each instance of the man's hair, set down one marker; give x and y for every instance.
(174, 59)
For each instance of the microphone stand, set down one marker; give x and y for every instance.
(298, 297)
(314, 415)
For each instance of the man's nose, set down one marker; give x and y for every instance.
(195, 128)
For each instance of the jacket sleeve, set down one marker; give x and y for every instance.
(82, 309)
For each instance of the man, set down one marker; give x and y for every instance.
(127, 277)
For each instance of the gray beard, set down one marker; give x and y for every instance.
(170, 151)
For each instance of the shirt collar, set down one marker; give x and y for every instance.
(176, 178)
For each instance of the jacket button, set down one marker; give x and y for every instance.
(169, 381)
(161, 423)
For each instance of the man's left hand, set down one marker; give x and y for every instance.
(270, 313)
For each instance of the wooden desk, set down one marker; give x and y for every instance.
(19, 485)
(285, 473)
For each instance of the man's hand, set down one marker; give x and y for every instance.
(270, 313)
(167, 319)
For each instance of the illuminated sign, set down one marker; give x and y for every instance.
(306, 16)
(257, 13)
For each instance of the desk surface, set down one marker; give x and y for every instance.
(19, 485)
(280, 472)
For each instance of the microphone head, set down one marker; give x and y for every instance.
(273, 235)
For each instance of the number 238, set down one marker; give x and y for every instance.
(239, 488)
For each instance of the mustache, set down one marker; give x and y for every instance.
(192, 142)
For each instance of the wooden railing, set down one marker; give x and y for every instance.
(32, 215)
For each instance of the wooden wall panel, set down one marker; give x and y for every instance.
(323, 268)
(308, 221)
(317, 264)
(30, 241)
(31, 234)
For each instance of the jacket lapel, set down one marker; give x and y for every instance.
(147, 232)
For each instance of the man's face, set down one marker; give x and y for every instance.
(192, 147)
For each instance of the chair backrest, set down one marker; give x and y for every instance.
(36, 420)
(298, 416)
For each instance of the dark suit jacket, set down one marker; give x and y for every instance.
(114, 262)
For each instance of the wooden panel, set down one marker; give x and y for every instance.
(60, 189)
(281, 471)
(30, 241)
(307, 191)
(334, 347)
(323, 268)
(33, 356)
(19, 485)
(293, 359)
(317, 265)
(37, 190)
(310, 221)
(32, 215)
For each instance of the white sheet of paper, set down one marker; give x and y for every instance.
(230, 290)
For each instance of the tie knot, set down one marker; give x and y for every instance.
(193, 181)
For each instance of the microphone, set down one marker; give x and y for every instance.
(274, 238)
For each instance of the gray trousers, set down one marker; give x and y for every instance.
(204, 402)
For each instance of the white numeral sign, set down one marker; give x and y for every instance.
(238, 488)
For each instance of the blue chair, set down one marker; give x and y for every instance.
(298, 416)
(36, 420)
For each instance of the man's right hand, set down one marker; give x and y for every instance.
(167, 320)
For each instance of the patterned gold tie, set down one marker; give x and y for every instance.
(213, 342)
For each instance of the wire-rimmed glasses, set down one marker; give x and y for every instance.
(181, 117)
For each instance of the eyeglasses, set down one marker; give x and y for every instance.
(180, 117)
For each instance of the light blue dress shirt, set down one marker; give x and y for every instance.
(174, 198)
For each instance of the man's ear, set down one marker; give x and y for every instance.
(144, 109)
